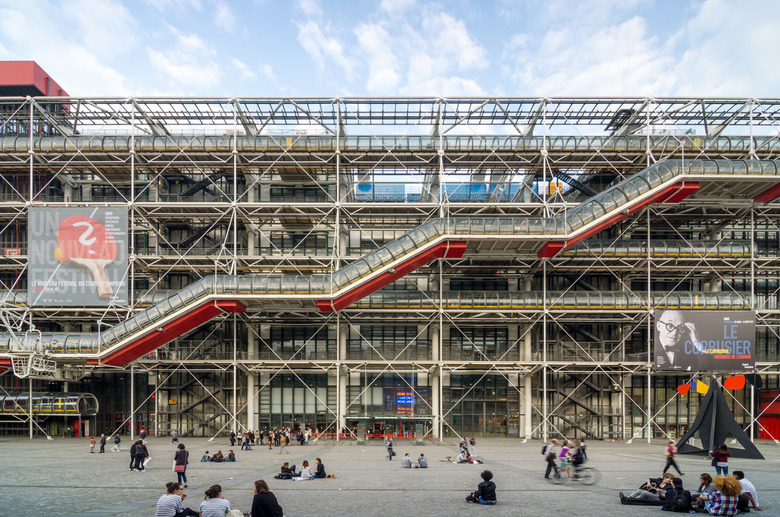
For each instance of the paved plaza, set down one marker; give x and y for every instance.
(60, 477)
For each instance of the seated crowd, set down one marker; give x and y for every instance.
(218, 457)
(723, 495)
(288, 471)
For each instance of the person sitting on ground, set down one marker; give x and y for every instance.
(486, 491)
(169, 504)
(472, 460)
(422, 462)
(264, 503)
(676, 498)
(219, 457)
(649, 493)
(706, 487)
(305, 473)
(406, 461)
(461, 458)
(231, 456)
(286, 472)
(749, 495)
(319, 471)
(214, 504)
(724, 500)
(206, 457)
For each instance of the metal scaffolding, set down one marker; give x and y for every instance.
(484, 266)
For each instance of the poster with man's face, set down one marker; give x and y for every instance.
(704, 340)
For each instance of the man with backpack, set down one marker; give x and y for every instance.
(548, 451)
(676, 499)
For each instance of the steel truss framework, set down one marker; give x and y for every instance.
(308, 186)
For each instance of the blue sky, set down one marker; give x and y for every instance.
(409, 48)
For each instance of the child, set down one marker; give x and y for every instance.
(92, 444)
(565, 459)
(486, 491)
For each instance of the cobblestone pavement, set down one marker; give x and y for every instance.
(61, 477)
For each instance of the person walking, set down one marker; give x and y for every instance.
(180, 460)
(117, 443)
(390, 452)
(174, 437)
(102, 443)
(671, 452)
(133, 447)
(549, 457)
(92, 445)
(141, 453)
(284, 443)
(232, 438)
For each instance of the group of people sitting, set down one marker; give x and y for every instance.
(264, 503)
(421, 463)
(218, 457)
(723, 495)
(288, 471)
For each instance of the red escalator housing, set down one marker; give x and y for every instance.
(671, 194)
(453, 249)
(184, 323)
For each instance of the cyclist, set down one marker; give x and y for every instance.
(578, 458)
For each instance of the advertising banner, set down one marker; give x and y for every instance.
(77, 256)
(704, 340)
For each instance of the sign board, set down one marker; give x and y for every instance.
(77, 256)
(704, 340)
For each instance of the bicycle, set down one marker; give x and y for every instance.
(584, 475)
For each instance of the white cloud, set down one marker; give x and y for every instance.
(323, 48)
(615, 59)
(729, 51)
(451, 41)
(310, 8)
(244, 70)
(374, 41)
(175, 5)
(105, 27)
(74, 62)
(268, 72)
(188, 64)
(396, 6)
(224, 17)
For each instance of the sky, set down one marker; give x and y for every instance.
(409, 48)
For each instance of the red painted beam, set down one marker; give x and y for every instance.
(687, 188)
(453, 249)
(549, 249)
(171, 331)
(769, 194)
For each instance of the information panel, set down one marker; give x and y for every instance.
(77, 256)
(704, 340)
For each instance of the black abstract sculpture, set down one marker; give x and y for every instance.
(714, 423)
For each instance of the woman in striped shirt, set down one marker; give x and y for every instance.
(169, 505)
